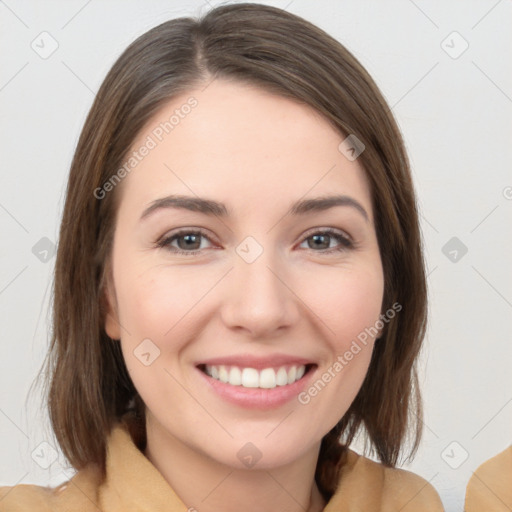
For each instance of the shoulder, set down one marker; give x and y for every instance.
(410, 491)
(489, 487)
(397, 489)
(78, 493)
(25, 497)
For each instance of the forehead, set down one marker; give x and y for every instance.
(241, 144)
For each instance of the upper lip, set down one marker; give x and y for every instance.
(258, 363)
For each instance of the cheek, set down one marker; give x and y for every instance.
(360, 306)
(349, 307)
(153, 301)
(164, 306)
(349, 303)
(153, 309)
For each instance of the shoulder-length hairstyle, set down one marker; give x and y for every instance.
(88, 387)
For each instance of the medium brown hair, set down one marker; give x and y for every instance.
(88, 386)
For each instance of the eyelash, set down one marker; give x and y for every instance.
(345, 242)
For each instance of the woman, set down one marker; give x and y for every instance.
(208, 352)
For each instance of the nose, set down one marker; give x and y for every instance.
(259, 297)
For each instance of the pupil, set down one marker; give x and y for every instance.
(316, 237)
(189, 238)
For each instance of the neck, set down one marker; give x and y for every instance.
(205, 485)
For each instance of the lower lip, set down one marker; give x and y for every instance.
(257, 398)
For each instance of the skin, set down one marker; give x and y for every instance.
(257, 153)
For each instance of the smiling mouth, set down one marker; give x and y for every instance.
(266, 378)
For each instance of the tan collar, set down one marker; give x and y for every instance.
(134, 484)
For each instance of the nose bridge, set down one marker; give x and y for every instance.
(259, 299)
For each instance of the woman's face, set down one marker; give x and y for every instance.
(259, 294)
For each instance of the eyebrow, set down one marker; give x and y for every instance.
(215, 208)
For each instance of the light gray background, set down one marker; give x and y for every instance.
(455, 114)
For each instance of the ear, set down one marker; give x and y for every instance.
(111, 316)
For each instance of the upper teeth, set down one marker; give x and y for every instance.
(252, 378)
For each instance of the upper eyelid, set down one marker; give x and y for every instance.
(185, 231)
(325, 229)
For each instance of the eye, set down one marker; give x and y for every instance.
(322, 240)
(188, 241)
